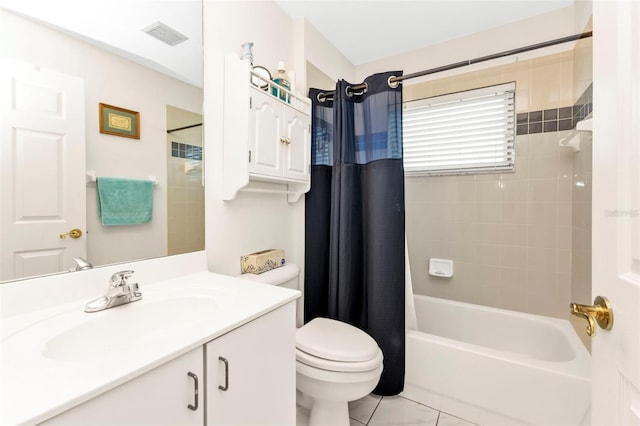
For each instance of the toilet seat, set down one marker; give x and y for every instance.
(336, 346)
(339, 366)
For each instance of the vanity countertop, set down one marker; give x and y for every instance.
(56, 358)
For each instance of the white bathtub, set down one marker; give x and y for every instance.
(493, 366)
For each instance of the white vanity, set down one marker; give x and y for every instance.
(198, 348)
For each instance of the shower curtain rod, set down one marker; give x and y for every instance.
(394, 81)
(183, 128)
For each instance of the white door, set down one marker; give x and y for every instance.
(616, 210)
(42, 169)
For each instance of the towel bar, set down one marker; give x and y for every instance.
(91, 178)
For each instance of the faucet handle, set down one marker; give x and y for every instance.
(119, 279)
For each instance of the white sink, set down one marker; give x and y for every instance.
(129, 327)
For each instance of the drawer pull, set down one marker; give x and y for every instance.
(226, 374)
(195, 391)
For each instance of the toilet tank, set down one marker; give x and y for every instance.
(284, 276)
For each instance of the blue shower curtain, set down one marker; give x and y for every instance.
(354, 231)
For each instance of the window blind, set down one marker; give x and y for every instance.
(464, 132)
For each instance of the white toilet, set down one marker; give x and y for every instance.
(335, 362)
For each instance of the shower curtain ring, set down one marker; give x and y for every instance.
(321, 98)
(393, 84)
(362, 92)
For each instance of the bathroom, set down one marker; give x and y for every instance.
(247, 223)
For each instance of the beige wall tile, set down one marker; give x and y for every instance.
(486, 254)
(488, 191)
(545, 259)
(565, 214)
(563, 261)
(542, 236)
(543, 190)
(564, 237)
(487, 212)
(514, 257)
(514, 191)
(542, 167)
(522, 146)
(515, 213)
(487, 233)
(513, 235)
(462, 212)
(542, 214)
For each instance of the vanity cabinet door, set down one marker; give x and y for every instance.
(297, 130)
(160, 397)
(251, 372)
(265, 135)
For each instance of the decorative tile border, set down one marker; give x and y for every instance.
(548, 120)
(584, 105)
(183, 150)
(556, 119)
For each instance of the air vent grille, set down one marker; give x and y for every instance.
(165, 33)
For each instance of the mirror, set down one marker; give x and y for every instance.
(110, 54)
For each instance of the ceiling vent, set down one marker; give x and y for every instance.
(165, 33)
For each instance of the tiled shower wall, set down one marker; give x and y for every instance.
(185, 191)
(510, 234)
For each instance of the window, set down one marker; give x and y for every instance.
(464, 132)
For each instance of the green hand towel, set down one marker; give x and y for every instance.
(124, 201)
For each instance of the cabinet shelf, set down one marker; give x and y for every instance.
(266, 135)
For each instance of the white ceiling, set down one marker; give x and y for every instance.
(368, 30)
(363, 30)
(117, 26)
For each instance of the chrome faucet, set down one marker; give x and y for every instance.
(80, 264)
(120, 292)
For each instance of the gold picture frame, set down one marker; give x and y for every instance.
(119, 121)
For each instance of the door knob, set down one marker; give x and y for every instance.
(599, 313)
(74, 233)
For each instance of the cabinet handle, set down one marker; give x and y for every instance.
(286, 140)
(195, 391)
(226, 374)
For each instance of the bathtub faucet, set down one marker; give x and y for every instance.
(599, 313)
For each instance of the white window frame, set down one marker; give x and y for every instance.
(460, 133)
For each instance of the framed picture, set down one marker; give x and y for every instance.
(119, 121)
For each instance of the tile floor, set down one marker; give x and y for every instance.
(375, 410)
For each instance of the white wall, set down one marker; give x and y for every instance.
(324, 56)
(253, 222)
(113, 80)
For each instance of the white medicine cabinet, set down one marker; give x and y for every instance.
(267, 135)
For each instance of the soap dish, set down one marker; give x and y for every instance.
(441, 267)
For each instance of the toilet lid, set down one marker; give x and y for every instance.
(339, 366)
(335, 341)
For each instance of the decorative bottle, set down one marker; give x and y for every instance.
(247, 55)
(282, 80)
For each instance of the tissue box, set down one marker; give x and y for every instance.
(262, 261)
